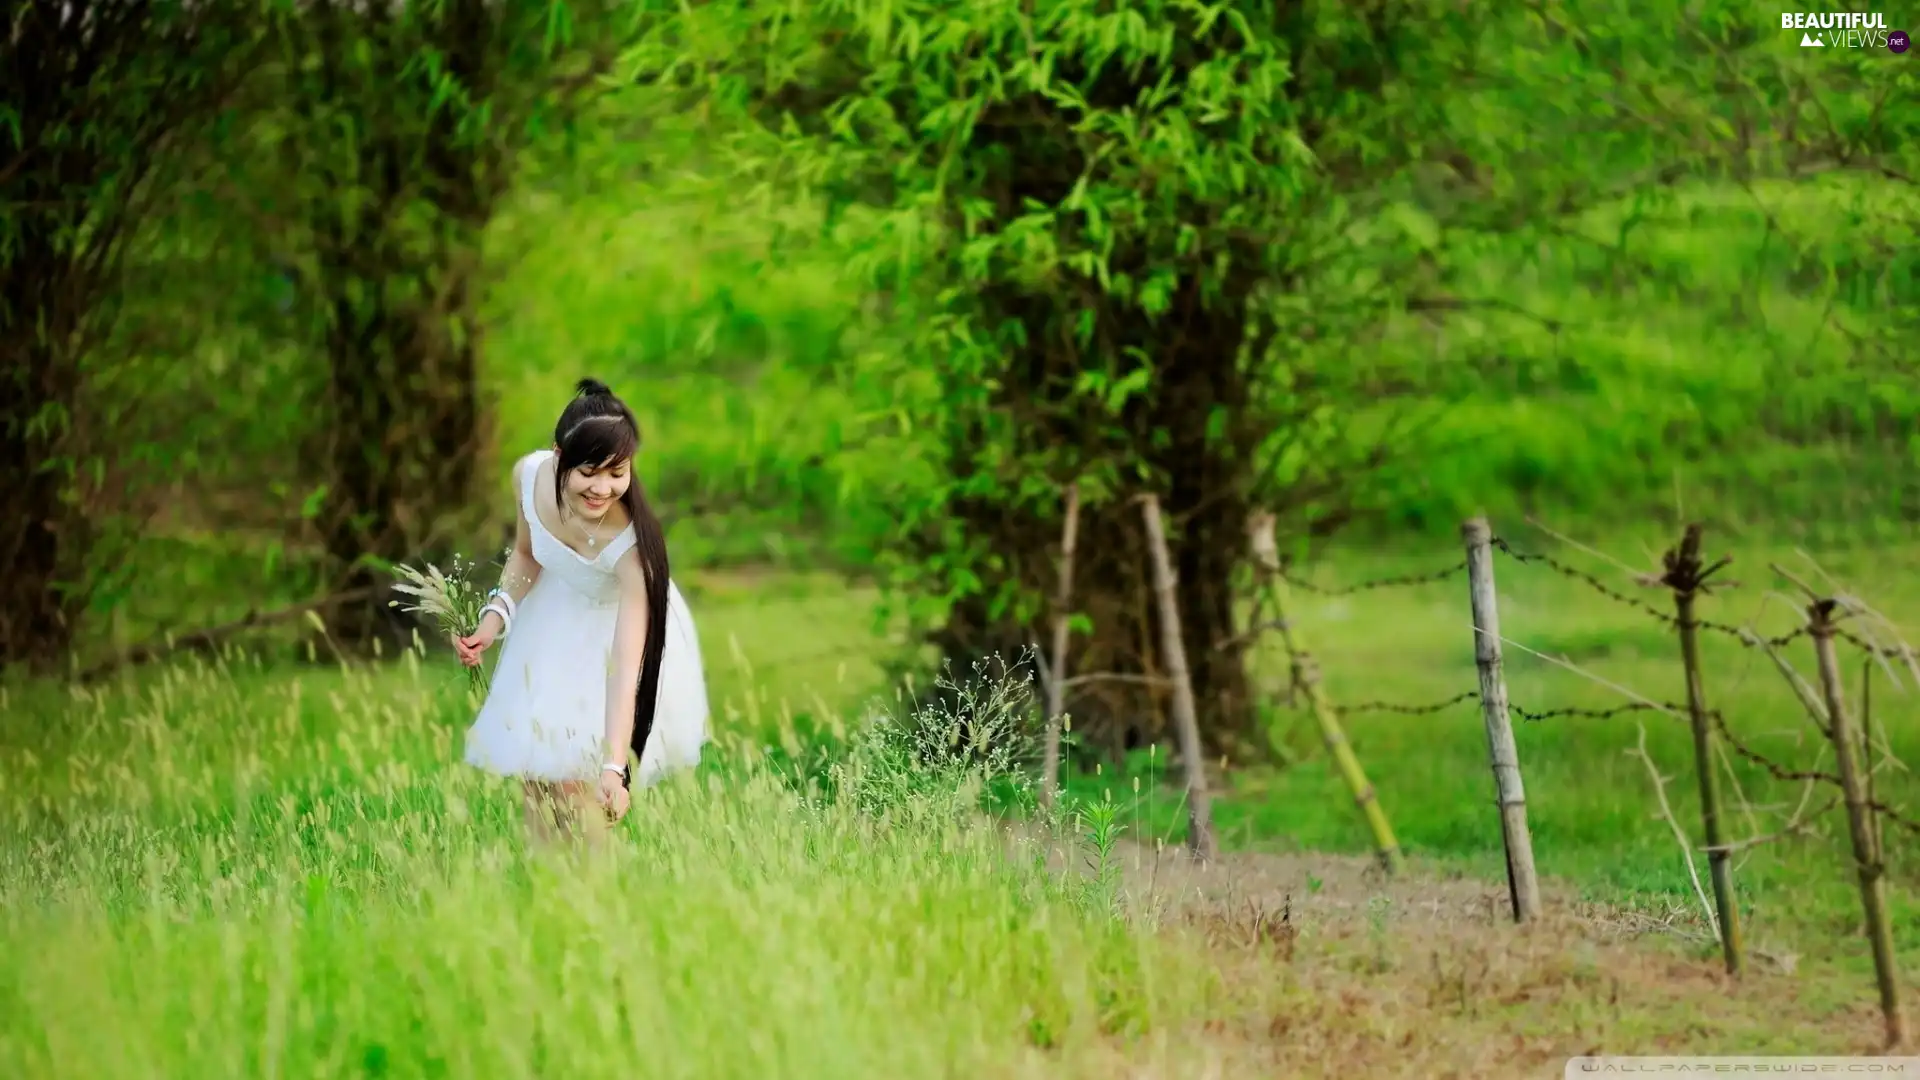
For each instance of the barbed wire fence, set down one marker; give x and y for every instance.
(1301, 659)
(1685, 576)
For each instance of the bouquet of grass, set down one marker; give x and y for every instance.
(450, 600)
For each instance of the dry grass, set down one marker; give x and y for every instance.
(1326, 968)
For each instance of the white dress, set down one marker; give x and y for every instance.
(545, 713)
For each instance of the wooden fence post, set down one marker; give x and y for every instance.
(1687, 577)
(1306, 675)
(1860, 825)
(1057, 670)
(1502, 753)
(1186, 721)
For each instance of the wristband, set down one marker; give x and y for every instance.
(621, 769)
(508, 609)
(506, 618)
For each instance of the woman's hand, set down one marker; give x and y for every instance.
(614, 796)
(475, 644)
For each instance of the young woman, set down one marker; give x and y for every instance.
(599, 654)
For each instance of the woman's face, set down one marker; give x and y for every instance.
(593, 489)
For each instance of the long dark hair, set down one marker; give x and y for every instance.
(597, 428)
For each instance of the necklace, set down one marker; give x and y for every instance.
(593, 538)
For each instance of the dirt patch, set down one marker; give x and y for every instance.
(1329, 967)
(1314, 888)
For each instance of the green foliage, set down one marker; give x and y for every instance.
(1067, 204)
(396, 139)
(1706, 299)
(1098, 825)
(89, 124)
(809, 301)
(942, 758)
(1427, 188)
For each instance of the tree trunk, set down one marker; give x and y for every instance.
(399, 265)
(1113, 588)
(406, 436)
(1175, 430)
(1193, 432)
(98, 93)
(1205, 565)
(48, 283)
(42, 293)
(39, 537)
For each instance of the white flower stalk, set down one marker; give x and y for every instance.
(450, 600)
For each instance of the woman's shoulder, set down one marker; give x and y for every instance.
(526, 465)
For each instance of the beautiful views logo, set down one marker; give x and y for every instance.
(1843, 29)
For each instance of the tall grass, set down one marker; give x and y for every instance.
(228, 871)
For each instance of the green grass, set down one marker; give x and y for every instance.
(248, 869)
(223, 870)
(399, 933)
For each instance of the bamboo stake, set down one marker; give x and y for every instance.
(1866, 752)
(1859, 822)
(1306, 675)
(1057, 670)
(1186, 721)
(1687, 578)
(1503, 754)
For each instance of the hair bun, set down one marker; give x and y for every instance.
(592, 388)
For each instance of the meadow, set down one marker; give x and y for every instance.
(264, 861)
(227, 867)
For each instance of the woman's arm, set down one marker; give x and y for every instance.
(521, 571)
(629, 649)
